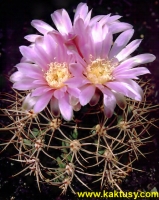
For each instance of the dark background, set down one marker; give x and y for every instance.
(15, 18)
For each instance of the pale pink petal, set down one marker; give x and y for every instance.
(76, 69)
(26, 60)
(66, 21)
(65, 108)
(41, 26)
(126, 87)
(24, 84)
(51, 46)
(120, 100)
(58, 94)
(54, 106)
(104, 20)
(109, 101)
(81, 11)
(30, 54)
(29, 102)
(16, 77)
(30, 70)
(96, 19)
(97, 33)
(42, 55)
(87, 19)
(117, 27)
(83, 40)
(86, 94)
(134, 61)
(73, 100)
(40, 90)
(130, 48)
(121, 42)
(40, 82)
(114, 18)
(77, 81)
(77, 107)
(62, 21)
(73, 91)
(42, 101)
(95, 99)
(107, 42)
(32, 37)
(131, 73)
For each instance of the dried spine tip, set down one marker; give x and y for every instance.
(70, 168)
(55, 123)
(108, 155)
(75, 146)
(31, 114)
(39, 143)
(123, 125)
(100, 130)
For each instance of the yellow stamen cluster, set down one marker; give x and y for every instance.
(57, 74)
(100, 71)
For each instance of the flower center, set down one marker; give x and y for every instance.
(57, 74)
(100, 71)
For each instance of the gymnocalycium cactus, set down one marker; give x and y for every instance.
(64, 120)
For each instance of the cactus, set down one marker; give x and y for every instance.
(88, 149)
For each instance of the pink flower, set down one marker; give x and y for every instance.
(78, 63)
(47, 68)
(106, 67)
(66, 28)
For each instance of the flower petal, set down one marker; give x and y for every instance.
(65, 108)
(95, 19)
(73, 100)
(58, 93)
(109, 101)
(120, 100)
(42, 101)
(107, 42)
(132, 73)
(62, 21)
(126, 87)
(134, 61)
(30, 70)
(121, 42)
(77, 81)
(117, 27)
(41, 26)
(32, 37)
(95, 99)
(29, 102)
(51, 45)
(86, 94)
(73, 91)
(76, 69)
(16, 77)
(40, 91)
(114, 18)
(130, 48)
(31, 54)
(54, 106)
(25, 84)
(77, 107)
(81, 11)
